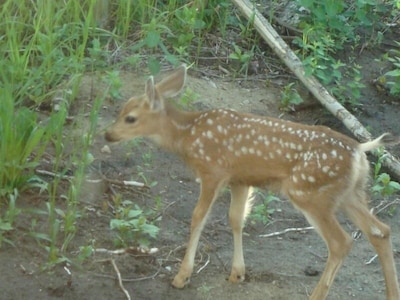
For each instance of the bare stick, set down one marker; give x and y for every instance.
(121, 285)
(135, 250)
(112, 181)
(371, 259)
(298, 229)
(204, 266)
(284, 52)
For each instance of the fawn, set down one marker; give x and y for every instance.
(319, 170)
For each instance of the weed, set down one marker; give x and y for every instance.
(261, 212)
(290, 98)
(114, 82)
(132, 224)
(7, 221)
(326, 29)
(142, 175)
(23, 141)
(188, 98)
(243, 57)
(205, 290)
(392, 77)
(383, 185)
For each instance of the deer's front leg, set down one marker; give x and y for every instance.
(240, 206)
(208, 194)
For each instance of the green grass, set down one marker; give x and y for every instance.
(46, 48)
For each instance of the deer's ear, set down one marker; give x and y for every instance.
(173, 84)
(156, 102)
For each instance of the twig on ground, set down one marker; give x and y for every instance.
(112, 181)
(120, 280)
(396, 201)
(371, 259)
(129, 250)
(205, 265)
(69, 281)
(286, 231)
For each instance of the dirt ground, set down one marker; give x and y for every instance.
(283, 267)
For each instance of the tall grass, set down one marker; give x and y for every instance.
(46, 47)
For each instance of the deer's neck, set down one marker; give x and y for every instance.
(175, 126)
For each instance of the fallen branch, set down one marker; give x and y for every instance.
(284, 52)
(370, 261)
(129, 250)
(121, 285)
(112, 181)
(298, 229)
(204, 265)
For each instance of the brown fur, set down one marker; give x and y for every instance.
(318, 169)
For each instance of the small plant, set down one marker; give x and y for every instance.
(383, 185)
(8, 219)
(261, 212)
(327, 27)
(393, 76)
(290, 98)
(114, 84)
(187, 99)
(243, 57)
(22, 142)
(132, 224)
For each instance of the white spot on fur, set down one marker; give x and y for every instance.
(332, 174)
(311, 179)
(325, 169)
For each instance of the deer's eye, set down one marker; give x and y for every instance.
(130, 119)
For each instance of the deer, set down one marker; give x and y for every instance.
(319, 170)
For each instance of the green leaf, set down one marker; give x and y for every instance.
(394, 73)
(5, 226)
(152, 39)
(154, 66)
(394, 185)
(134, 213)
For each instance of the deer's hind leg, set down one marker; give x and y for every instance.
(378, 233)
(319, 209)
